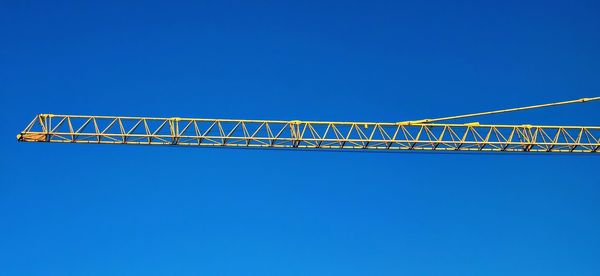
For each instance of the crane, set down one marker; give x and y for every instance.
(426, 134)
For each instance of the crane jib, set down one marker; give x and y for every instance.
(310, 134)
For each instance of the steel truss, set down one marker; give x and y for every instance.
(416, 135)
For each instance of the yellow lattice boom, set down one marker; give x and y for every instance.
(409, 135)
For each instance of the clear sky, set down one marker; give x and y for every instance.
(134, 210)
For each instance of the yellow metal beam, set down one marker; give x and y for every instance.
(415, 135)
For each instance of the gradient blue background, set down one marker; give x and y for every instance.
(133, 210)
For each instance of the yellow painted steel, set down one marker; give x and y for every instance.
(582, 100)
(409, 135)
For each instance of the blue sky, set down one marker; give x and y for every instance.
(133, 210)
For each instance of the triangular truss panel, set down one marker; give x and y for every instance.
(417, 135)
